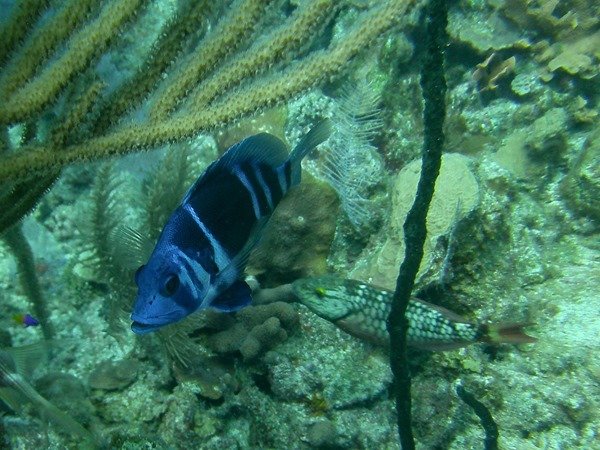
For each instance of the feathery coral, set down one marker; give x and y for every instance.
(357, 120)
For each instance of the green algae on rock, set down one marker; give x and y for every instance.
(297, 239)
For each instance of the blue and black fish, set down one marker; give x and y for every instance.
(204, 246)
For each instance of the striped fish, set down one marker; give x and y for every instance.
(362, 311)
(204, 246)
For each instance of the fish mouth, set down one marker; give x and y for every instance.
(143, 324)
(144, 328)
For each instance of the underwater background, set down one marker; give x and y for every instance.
(111, 109)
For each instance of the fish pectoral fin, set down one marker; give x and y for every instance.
(236, 297)
(132, 248)
(236, 267)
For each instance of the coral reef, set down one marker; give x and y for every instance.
(499, 34)
(551, 17)
(68, 393)
(20, 248)
(575, 57)
(581, 186)
(113, 375)
(491, 71)
(512, 234)
(526, 152)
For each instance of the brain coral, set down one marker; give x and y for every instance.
(456, 194)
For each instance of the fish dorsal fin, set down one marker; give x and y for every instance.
(318, 134)
(262, 148)
(450, 315)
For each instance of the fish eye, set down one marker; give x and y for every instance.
(170, 286)
(320, 291)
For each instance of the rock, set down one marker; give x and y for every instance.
(526, 84)
(527, 152)
(321, 434)
(577, 57)
(581, 187)
(498, 34)
(113, 375)
(67, 393)
(546, 138)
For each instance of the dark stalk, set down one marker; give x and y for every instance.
(20, 248)
(433, 84)
(487, 421)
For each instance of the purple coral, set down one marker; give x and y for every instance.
(255, 330)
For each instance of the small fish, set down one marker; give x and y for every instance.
(362, 310)
(26, 320)
(205, 244)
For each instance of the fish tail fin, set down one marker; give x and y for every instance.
(318, 134)
(507, 334)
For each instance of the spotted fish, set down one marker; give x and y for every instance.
(362, 310)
